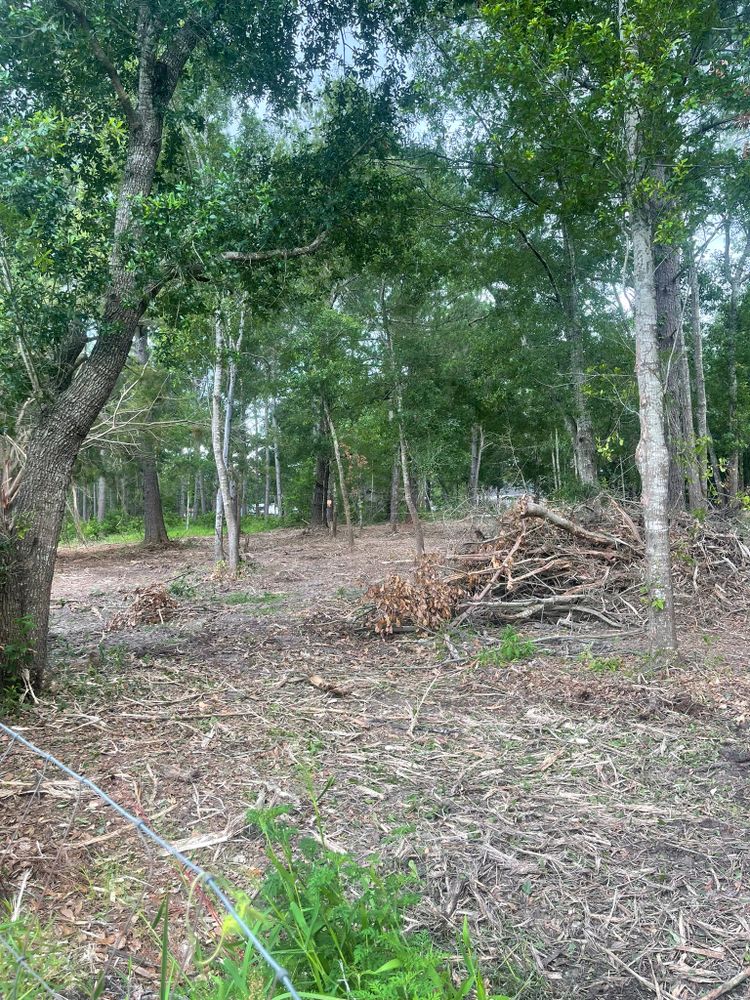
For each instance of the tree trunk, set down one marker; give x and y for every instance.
(473, 467)
(477, 449)
(652, 455)
(342, 478)
(224, 497)
(101, 499)
(584, 445)
(277, 465)
(733, 462)
(409, 497)
(394, 494)
(318, 504)
(154, 529)
(706, 448)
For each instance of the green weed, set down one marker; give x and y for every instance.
(512, 647)
(600, 664)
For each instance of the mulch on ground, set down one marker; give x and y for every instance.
(584, 812)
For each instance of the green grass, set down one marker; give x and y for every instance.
(261, 601)
(119, 529)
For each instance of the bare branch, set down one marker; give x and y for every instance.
(261, 256)
(104, 60)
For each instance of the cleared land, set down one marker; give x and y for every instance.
(588, 816)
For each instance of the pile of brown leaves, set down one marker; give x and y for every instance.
(560, 564)
(425, 602)
(150, 606)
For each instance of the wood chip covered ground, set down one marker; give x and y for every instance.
(585, 812)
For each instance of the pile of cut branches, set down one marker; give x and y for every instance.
(150, 606)
(544, 564)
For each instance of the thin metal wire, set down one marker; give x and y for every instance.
(208, 880)
(21, 963)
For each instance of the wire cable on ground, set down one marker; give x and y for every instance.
(138, 824)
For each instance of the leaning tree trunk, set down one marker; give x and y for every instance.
(652, 455)
(342, 478)
(32, 526)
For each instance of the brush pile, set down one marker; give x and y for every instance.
(150, 606)
(561, 566)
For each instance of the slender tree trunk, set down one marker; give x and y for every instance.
(652, 455)
(733, 463)
(317, 506)
(75, 515)
(584, 444)
(409, 497)
(101, 499)
(221, 449)
(154, 529)
(277, 465)
(394, 494)
(706, 448)
(477, 449)
(473, 467)
(342, 478)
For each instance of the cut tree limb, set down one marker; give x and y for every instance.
(537, 510)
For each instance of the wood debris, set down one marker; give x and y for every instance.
(151, 605)
(544, 564)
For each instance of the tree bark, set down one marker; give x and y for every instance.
(154, 529)
(584, 445)
(683, 459)
(32, 530)
(652, 455)
(394, 494)
(477, 449)
(101, 499)
(706, 448)
(277, 465)
(409, 497)
(318, 503)
(224, 504)
(342, 478)
(733, 462)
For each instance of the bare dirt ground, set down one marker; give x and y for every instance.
(589, 816)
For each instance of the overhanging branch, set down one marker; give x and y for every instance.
(101, 56)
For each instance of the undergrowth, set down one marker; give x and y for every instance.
(511, 647)
(338, 927)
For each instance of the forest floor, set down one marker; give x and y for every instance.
(587, 814)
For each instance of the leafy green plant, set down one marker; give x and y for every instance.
(600, 664)
(182, 588)
(338, 925)
(512, 647)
